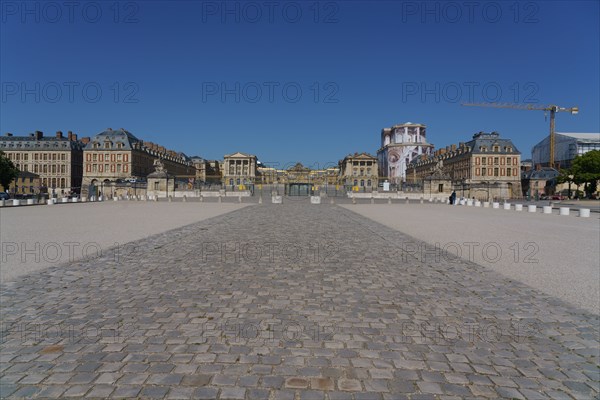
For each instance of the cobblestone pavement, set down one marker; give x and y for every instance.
(291, 301)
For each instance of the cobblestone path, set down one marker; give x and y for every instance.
(292, 301)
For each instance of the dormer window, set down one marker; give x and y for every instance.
(96, 145)
(496, 149)
(107, 145)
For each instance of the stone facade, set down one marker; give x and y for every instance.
(486, 167)
(26, 183)
(359, 172)
(58, 160)
(239, 169)
(116, 155)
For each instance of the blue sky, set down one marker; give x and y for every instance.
(297, 80)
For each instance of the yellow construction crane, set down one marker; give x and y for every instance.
(552, 108)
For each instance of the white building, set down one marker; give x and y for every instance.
(401, 144)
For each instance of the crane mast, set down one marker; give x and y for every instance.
(552, 108)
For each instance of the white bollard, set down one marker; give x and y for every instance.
(507, 206)
(315, 199)
(64, 200)
(83, 199)
(518, 207)
(115, 198)
(50, 202)
(584, 212)
(2, 202)
(486, 204)
(547, 210)
(495, 205)
(470, 203)
(532, 208)
(430, 200)
(477, 203)
(30, 202)
(564, 211)
(16, 202)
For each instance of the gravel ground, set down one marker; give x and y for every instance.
(558, 255)
(33, 238)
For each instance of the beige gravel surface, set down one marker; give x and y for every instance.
(36, 237)
(559, 255)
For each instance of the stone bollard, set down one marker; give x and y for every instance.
(564, 211)
(83, 199)
(2, 203)
(495, 205)
(507, 206)
(353, 200)
(477, 203)
(518, 207)
(75, 200)
(430, 200)
(155, 198)
(30, 202)
(201, 198)
(389, 200)
(470, 203)
(532, 208)
(315, 199)
(116, 198)
(16, 202)
(50, 202)
(584, 212)
(421, 200)
(547, 209)
(184, 198)
(239, 199)
(486, 204)
(64, 200)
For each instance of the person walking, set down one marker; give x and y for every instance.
(453, 198)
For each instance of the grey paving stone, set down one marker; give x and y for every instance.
(184, 308)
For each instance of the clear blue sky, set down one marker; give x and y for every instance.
(162, 66)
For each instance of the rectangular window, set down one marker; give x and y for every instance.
(35, 156)
(477, 171)
(45, 156)
(508, 171)
(94, 157)
(508, 161)
(483, 171)
(495, 160)
(105, 167)
(25, 156)
(53, 156)
(88, 168)
(476, 160)
(496, 171)
(63, 157)
(118, 167)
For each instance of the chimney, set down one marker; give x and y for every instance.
(39, 135)
(59, 134)
(453, 147)
(85, 140)
(70, 136)
(443, 151)
(8, 134)
(461, 144)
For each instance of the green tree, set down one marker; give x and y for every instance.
(586, 170)
(8, 171)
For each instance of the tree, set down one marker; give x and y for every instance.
(8, 171)
(586, 169)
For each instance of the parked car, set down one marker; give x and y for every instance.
(558, 197)
(4, 196)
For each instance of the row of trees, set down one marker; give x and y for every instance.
(584, 170)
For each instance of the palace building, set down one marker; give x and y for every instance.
(112, 156)
(485, 167)
(57, 160)
(359, 172)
